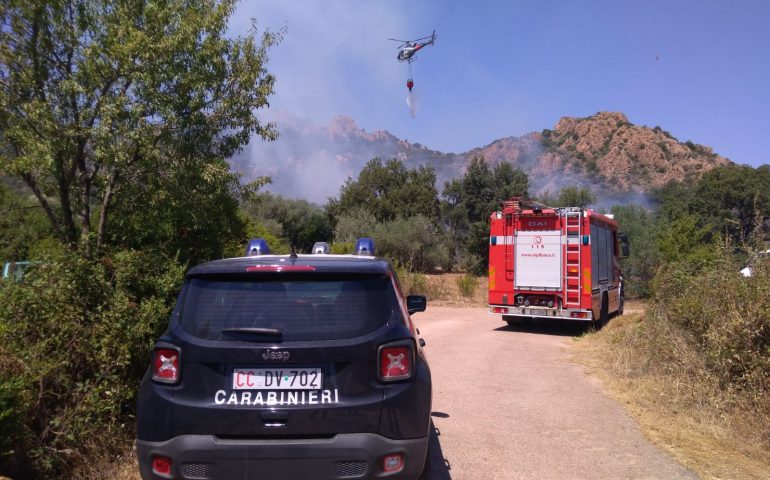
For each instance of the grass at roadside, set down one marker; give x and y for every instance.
(717, 434)
(122, 467)
(455, 289)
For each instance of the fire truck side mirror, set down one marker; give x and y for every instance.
(624, 245)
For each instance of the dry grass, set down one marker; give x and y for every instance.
(125, 469)
(120, 467)
(444, 290)
(716, 434)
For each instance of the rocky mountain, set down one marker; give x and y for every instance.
(603, 152)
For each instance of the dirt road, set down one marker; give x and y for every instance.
(509, 404)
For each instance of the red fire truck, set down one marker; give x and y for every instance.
(554, 263)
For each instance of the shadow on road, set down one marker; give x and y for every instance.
(545, 326)
(439, 466)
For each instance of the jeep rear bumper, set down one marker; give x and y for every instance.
(348, 456)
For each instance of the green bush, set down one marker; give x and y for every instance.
(725, 317)
(341, 248)
(75, 338)
(467, 285)
(412, 283)
(642, 227)
(414, 241)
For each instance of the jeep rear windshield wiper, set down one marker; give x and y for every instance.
(268, 332)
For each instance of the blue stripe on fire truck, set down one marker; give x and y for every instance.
(501, 240)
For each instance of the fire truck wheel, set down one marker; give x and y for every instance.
(604, 314)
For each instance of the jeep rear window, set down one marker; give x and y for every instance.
(300, 306)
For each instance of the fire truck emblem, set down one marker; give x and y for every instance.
(537, 242)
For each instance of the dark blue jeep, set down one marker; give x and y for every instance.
(288, 367)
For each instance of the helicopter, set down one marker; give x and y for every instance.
(409, 48)
(407, 51)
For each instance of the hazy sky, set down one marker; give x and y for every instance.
(699, 69)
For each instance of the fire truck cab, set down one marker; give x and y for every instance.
(549, 262)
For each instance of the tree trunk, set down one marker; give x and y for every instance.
(55, 223)
(105, 207)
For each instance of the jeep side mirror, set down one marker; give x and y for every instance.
(416, 303)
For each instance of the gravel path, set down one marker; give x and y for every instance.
(509, 404)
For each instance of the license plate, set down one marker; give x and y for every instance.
(277, 379)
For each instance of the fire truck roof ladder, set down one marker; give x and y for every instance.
(573, 221)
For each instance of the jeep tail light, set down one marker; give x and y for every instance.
(393, 463)
(165, 365)
(396, 362)
(161, 466)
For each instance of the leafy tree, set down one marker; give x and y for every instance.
(387, 191)
(683, 240)
(254, 229)
(508, 182)
(641, 226)
(454, 215)
(468, 202)
(673, 199)
(103, 102)
(302, 223)
(476, 255)
(354, 224)
(730, 202)
(414, 242)
(477, 190)
(569, 196)
(183, 212)
(572, 196)
(483, 189)
(735, 199)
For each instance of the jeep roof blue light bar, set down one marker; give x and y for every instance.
(257, 246)
(365, 246)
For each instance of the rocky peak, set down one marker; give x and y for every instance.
(627, 156)
(342, 126)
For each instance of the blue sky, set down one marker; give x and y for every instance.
(699, 69)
